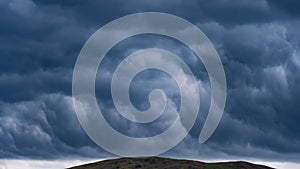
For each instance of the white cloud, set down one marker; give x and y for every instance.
(46, 164)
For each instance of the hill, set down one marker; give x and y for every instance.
(166, 163)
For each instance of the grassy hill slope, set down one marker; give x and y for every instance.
(166, 163)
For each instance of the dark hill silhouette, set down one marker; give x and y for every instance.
(166, 163)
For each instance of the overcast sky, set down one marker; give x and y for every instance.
(258, 42)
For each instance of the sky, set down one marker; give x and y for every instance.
(258, 43)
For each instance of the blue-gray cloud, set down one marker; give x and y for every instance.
(258, 42)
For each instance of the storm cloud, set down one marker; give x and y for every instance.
(258, 43)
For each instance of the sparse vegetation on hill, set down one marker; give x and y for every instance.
(166, 163)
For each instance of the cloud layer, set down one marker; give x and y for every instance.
(258, 42)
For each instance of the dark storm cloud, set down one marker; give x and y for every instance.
(17, 87)
(43, 128)
(290, 7)
(258, 42)
(38, 38)
(261, 64)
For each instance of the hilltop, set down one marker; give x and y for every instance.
(166, 163)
